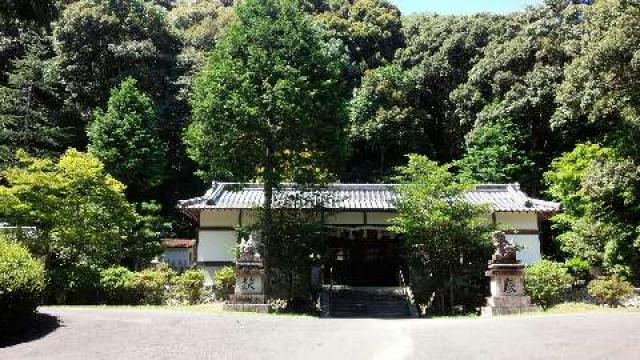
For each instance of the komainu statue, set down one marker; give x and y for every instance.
(505, 251)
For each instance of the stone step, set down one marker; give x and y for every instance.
(358, 302)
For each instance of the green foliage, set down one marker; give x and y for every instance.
(224, 281)
(116, 286)
(600, 93)
(269, 99)
(546, 282)
(447, 239)
(124, 138)
(600, 223)
(22, 282)
(566, 172)
(151, 285)
(188, 287)
(201, 22)
(383, 120)
(78, 208)
(30, 107)
(494, 154)
(610, 290)
(578, 268)
(83, 219)
(371, 30)
(300, 237)
(101, 42)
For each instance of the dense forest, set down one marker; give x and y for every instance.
(548, 97)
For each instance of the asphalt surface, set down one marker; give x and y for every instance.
(148, 334)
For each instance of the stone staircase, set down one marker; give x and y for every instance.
(359, 302)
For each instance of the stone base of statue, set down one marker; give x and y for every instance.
(507, 291)
(507, 283)
(249, 291)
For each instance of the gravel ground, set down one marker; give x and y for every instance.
(87, 333)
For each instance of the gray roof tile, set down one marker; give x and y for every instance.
(375, 197)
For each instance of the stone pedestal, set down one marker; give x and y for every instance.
(507, 291)
(507, 282)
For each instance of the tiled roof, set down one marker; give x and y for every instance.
(178, 243)
(375, 197)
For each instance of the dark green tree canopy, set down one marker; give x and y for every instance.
(31, 108)
(496, 154)
(101, 42)
(371, 29)
(125, 139)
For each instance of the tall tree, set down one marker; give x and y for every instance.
(124, 137)
(31, 108)
(447, 239)
(269, 104)
(494, 154)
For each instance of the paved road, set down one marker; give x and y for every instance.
(144, 334)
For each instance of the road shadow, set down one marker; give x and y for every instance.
(29, 330)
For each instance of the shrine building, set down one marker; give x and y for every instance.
(362, 252)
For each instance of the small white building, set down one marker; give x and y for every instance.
(179, 253)
(362, 251)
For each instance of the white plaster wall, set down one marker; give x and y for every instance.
(345, 218)
(216, 245)
(380, 218)
(530, 252)
(219, 218)
(518, 221)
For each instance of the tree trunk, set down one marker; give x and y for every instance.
(451, 297)
(267, 213)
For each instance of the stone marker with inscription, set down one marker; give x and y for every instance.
(507, 281)
(249, 290)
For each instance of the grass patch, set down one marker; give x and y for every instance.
(576, 308)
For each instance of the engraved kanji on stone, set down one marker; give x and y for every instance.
(248, 283)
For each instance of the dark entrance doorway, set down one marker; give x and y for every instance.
(364, 257)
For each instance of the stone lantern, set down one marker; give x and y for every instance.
(249, 289)
(507, 281)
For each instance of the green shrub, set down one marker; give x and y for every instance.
(610, 290)
(188, 287)
(546, 282)
(151, 285)
(578, 268)
(22, 282)
(117, 286)
(72, 282)
(225, 281)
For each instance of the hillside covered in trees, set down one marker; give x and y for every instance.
(548, 97)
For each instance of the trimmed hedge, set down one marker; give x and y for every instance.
(188, 287)
(224, 281)
(116, 286)
(22, 282)
(610, 290)
(155, 286)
